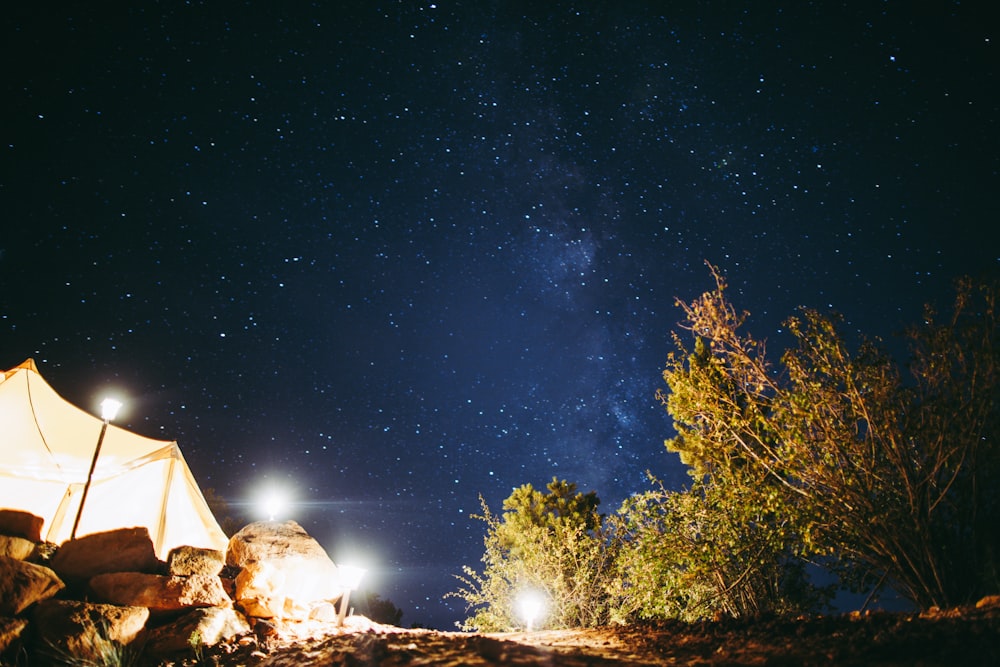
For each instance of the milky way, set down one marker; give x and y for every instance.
(392, 256)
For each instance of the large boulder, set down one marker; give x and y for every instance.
(21, 524)
(185, 561)
(284, 571)
(22, 584)
(159, 593)
(120, 550)
(195, 630)
(16, 547)
(273, 541)
(73, 632)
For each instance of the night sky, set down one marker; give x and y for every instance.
(390, 256)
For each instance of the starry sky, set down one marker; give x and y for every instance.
(389, 255)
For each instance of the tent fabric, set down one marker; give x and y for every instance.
(46, 448)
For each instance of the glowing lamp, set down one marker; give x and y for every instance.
(350, 579)
(531, 605)
(110, 408)
(274, 503)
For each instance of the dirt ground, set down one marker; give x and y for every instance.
(963, 636)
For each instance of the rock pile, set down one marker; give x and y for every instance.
(109, 593)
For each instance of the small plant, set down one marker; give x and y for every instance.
(95, 650)
(100, 652)
(197, 646)
(18, 658)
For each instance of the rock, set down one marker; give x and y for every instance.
(73, 632)
(265, 633)
(195, 630)
(284, 571)
(185, 561)
(284, 591)
(988, 602)
(258, 590)
(323, 612)
(229, 585)
(120, 550)
(272, 541)
(18, 523)
(22, 584)
(11, 634)
(159, 593)
(16, 547)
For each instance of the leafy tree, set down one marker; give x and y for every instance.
(955, 425)
(835, 448)
(731, 541)
(908, 465)
(550, 543)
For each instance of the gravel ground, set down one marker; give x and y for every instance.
(961, 636)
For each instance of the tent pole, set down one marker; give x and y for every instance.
(161, 528)
(90, 477)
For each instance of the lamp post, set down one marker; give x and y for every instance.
(109, 409)
(350, 578)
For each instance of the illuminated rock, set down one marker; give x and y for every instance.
(186, 561)
(76, 632)
(121, 550)
(199, 628)
(159, 593)
(16, 547)
(284, 571)
(259, 587)
(21, 524)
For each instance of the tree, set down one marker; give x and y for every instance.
(380, 610)
(888, 476)
(733, 537)
(955, 425)
(550, 543)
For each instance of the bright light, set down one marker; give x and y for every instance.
(350, 576)
(531, 606)
(274, 503)
(110, 408)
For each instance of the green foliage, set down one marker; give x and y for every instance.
(197, 645)
(705, 552)
(552, 543)
(841, 454)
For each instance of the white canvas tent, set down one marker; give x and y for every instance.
(46, 448)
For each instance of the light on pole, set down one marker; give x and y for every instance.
(109, 410)
(350, 579)
(531, 604)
